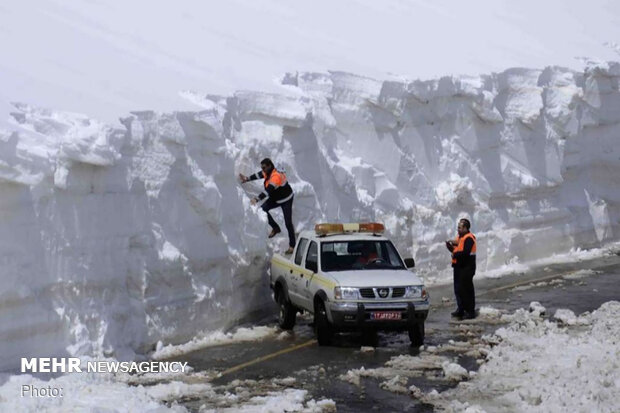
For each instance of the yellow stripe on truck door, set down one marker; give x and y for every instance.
(288, 265)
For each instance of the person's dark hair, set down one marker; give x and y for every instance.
(465, 222)
(267, 162)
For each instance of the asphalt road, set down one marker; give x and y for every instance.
(317, 369)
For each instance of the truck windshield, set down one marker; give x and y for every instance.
(359, 255)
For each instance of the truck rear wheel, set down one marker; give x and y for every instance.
(287, 314)
(322, 327)
(416, 334)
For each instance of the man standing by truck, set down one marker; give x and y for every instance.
(463, 250)
(279, 194)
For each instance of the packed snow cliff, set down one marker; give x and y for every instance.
(114, 238)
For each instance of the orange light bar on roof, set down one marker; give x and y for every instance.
(324, 229)
(374, 227)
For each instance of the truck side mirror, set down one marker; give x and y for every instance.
(409, 262)
(312, 266)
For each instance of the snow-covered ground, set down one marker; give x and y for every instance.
(115, 238)
(544, 366)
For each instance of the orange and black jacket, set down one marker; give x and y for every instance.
(276, 185)
(464, 254)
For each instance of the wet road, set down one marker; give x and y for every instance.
(581, 286)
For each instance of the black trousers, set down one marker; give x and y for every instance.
(464, 289)
(287, 211)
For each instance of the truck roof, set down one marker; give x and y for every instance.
(349, 236)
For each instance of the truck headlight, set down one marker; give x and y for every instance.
(346, 293)
(415, 291)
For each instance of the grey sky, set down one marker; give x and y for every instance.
(105, 58)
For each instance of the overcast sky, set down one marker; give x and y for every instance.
(105, 58)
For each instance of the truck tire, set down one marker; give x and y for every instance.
(416, 334)
(287, 314)
(322, 328)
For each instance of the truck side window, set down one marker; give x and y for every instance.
(393, 256)
(300, 251)
(312, 256)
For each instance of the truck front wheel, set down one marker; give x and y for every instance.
(322, 327)
(288, 313)
(416, 334)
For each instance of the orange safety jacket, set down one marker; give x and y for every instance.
(276, 179)
(276, 187)
(461, 245)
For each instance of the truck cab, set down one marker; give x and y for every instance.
(352, 278)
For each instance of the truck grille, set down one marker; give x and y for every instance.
(367, 293)
(398, 292)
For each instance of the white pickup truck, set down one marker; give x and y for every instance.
(351, 278)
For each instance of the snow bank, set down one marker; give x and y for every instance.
(113, 239)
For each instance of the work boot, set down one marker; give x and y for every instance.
(289, 251)
(457, 314)
(469, 316)
(274, 232)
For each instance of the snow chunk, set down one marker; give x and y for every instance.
(288, 400)
(453, 371)
(568, 317)
(396, 384)
(565, 316)
(537, 309)
(577, 275)
(489, 312)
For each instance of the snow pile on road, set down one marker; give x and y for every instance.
(111, 393)
(399, 368)
(90, 392)
(115, 238)
(540, 366)
(216, 338)
(289, 400)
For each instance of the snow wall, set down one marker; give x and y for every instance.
(112, 238)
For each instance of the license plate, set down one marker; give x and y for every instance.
(386, 315)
